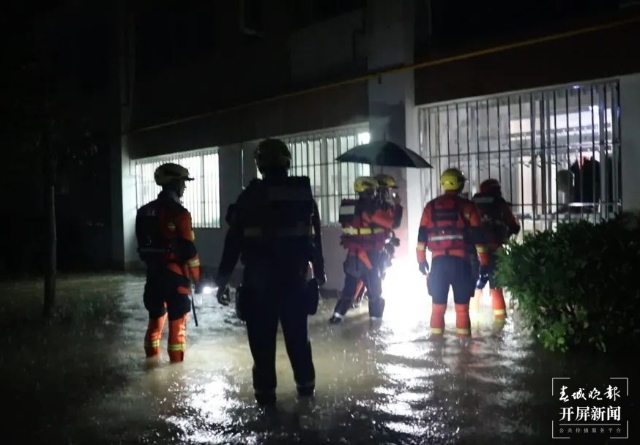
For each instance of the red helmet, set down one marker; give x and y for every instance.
(490, 186)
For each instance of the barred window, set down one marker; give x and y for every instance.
(202, 196)
(555, 151)
(313, 155)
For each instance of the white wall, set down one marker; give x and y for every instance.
(210, 242)
(630, 140)
(391, 103)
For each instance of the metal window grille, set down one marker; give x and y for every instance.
(314, 154)
(556, 152)
(202, 196)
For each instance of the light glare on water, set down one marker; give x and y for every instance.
(377, 383)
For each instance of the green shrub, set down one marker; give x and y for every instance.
(578, 285)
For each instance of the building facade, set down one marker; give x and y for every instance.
(547, 106)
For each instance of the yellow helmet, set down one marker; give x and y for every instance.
(452, 179)
(272, 153)
(386, 181)
(167, 173)
(364, 183)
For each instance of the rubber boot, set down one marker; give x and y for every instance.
(499, 306)
(474, 304)
(153, 336)
(463, 323)
(177, 339)
(437, 319)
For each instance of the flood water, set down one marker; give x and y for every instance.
(83, 378)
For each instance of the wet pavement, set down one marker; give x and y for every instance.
(83, 379)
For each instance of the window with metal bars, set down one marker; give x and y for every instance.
(314, 154)
(202, 196)
(556, 152)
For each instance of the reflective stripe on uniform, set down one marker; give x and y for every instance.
(193, 236)
(177, 347)
(171, 226)
(497, 312)
(481, 249)
(193, 263)
(257, 232)
(421, 246)
(436, 331)
(152, 343)
(463, 331)
(446, 237)
(362, 231)
(347, 210)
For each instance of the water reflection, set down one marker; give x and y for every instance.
(377, 383)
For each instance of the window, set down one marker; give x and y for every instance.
(202, 196)
(313, 155)
(556, 152)
(251, 17)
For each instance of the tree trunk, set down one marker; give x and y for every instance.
(50, 210)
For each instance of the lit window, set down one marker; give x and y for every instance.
(313, 155)
(556, 152)
(202, 196)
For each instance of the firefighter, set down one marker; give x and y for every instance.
(364, 238)
(166, 244)
(346, 214)
(499, 224)
(272, 232)
(450, 228)
(389, 202)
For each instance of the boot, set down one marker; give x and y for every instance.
(177, 339)
(153, 336)
(437, 319)
(499, 306)
(474, 304)
(463, 323)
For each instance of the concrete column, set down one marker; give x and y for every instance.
(231, 172)
(248, 162)
(390, 29)
(123, 196)
(630, 141)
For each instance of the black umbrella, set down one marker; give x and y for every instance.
(385, 154)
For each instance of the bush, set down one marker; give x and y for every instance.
(578, 285)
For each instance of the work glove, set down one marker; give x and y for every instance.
(223, 296)
(424, 268)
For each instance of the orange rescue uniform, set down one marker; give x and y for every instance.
(166, 244)
(450, 228)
